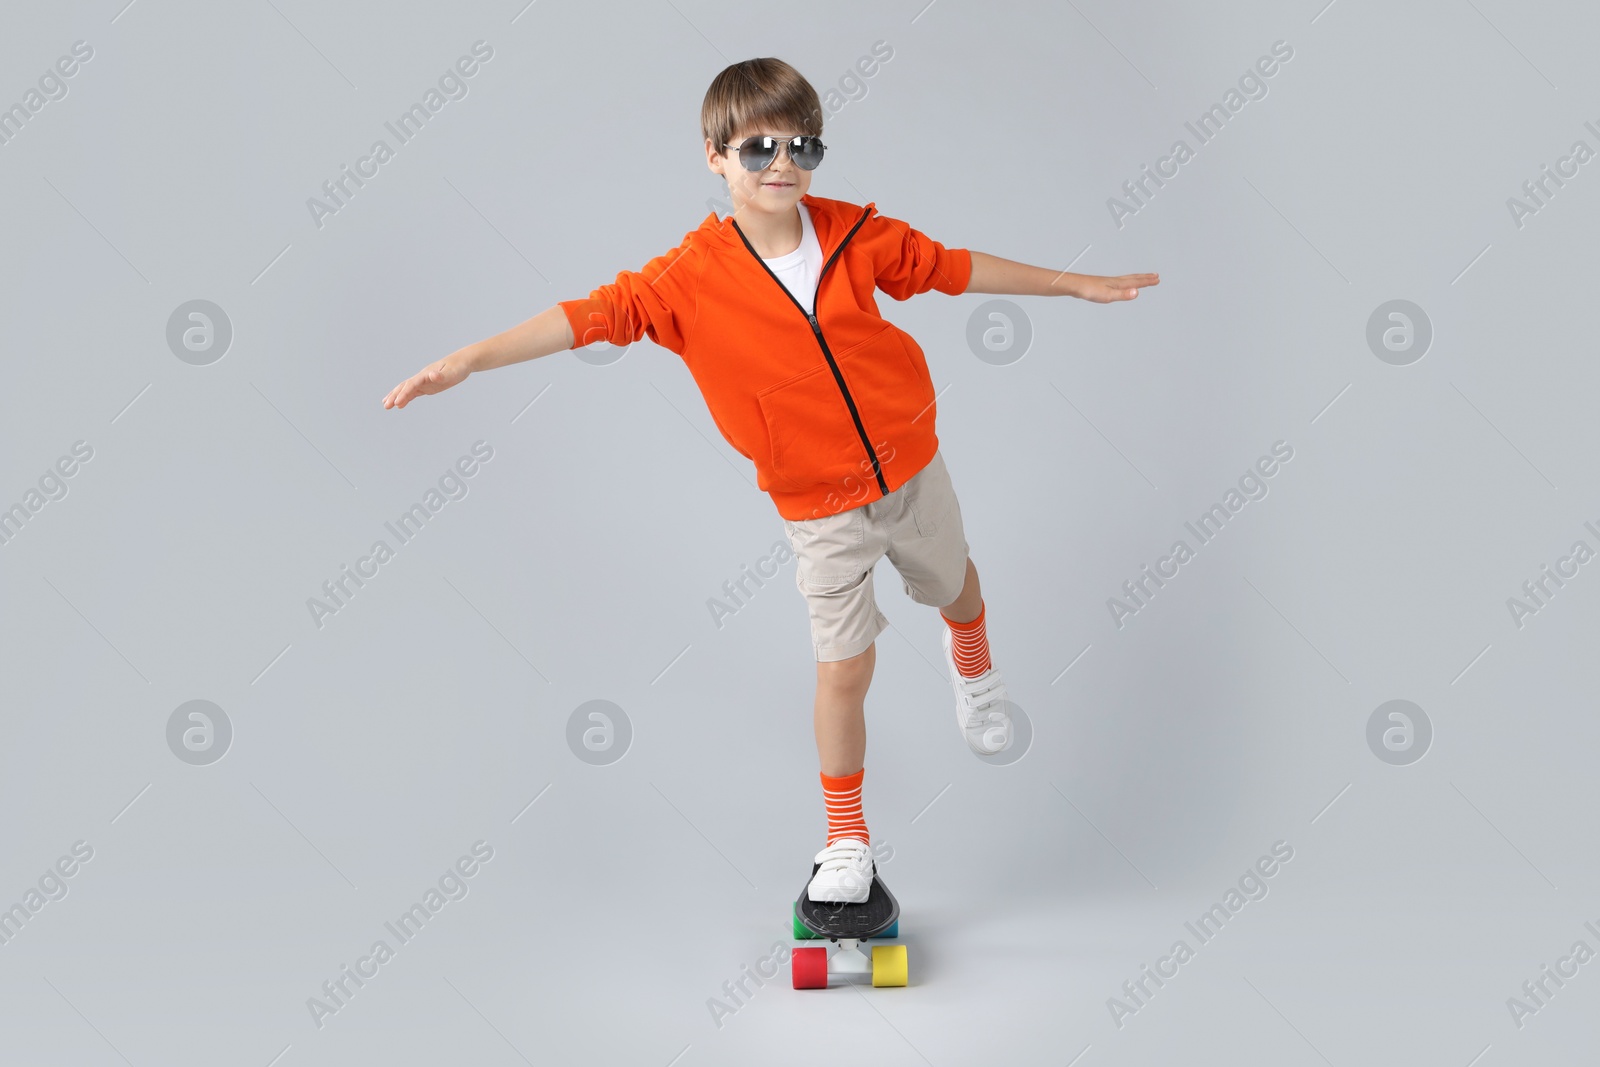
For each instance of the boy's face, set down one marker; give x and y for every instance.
(775, 190)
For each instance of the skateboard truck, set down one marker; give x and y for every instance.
(849, 957)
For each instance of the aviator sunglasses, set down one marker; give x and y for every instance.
(758, 152)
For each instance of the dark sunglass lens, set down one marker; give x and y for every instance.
(757, 152)
(807, 153)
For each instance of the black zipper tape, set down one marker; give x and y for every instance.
(816, 329)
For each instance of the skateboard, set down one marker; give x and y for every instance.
(847, 925)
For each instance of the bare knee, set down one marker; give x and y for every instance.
(847, 675)
(965, 607)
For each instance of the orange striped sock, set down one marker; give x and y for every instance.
(969, 644)
(842, 796)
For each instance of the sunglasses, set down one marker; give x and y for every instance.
(758, 152)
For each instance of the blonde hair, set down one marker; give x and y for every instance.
(756, 93)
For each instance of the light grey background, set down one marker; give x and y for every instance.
(431, 712)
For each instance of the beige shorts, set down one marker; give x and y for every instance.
(918, 526)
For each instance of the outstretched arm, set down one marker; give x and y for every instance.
(991, 274)
(545, 333)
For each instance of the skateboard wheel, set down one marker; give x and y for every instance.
(808, 968)
(801, 931)
(888, 964)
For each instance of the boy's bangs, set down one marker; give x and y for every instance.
(760, 95)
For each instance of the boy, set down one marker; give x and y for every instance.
(772, 311)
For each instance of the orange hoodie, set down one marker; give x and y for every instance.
(833, 404)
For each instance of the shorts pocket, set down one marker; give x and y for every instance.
(926, 514)
(930, 498)
(828, 551)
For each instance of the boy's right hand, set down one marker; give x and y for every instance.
(434, 378)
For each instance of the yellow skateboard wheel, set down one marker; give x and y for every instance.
(888, 965)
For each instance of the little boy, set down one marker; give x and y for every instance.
(772, 311)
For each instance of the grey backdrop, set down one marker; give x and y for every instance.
(219, 483)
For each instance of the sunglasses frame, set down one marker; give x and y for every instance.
(786, 145)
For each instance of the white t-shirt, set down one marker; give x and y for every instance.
(799, 269)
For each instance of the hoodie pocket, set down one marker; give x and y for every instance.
(892, 390)
(814, 438)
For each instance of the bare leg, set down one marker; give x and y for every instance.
(840, 717)
(965, 607)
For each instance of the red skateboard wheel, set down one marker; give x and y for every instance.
(808, 968)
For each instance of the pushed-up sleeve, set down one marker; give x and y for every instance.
(908, 261)
(656, 301)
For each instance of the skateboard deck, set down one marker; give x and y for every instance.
(835, 920)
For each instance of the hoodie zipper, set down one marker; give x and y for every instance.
(816, 329)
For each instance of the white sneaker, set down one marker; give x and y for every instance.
(845, 874)
(980, 706)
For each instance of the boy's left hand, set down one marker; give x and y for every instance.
(1103, 290)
